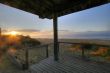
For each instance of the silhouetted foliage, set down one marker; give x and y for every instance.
(7, 41)
(29, 42)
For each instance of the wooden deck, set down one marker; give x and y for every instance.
(69, 65)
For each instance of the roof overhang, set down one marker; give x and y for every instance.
(47, 8)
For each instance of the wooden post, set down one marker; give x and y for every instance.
(47, 54)
(55, 27)
(26, 58)
(83, 51)
(58, 48)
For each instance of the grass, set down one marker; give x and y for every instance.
(6, 66)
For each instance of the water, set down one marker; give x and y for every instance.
(102, 35)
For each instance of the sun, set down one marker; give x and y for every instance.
(13, 33)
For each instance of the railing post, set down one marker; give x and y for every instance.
(47, 54)
(83, 51)
(26, 58)
(58, 48)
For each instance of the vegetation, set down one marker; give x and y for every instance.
(29, 42)
(37, 54)
(12, 44)
(17, 41)
(92, 51)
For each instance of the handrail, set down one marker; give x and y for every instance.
(85, 45)
(105, 45)
(43, 45)
(47, 50)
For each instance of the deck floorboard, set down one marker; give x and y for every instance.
(69, 65)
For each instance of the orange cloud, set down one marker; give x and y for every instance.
(42, 34)
(39, 34)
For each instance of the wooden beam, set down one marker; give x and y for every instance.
(55, 29)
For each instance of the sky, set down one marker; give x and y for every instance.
(89, 22)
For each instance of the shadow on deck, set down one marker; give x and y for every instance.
(69, 65)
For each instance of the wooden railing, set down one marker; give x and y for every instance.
(104, 45)
(15, 61)
(84, 46)
(46, 51)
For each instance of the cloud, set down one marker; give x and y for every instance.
(27, 30)
(4, 30)
(64, 34)
(36, 33)
(44, 33)
(22, 30)
(63, 30)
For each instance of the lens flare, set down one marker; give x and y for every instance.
(13, 33)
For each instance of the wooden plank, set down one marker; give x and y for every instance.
(72, 65)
